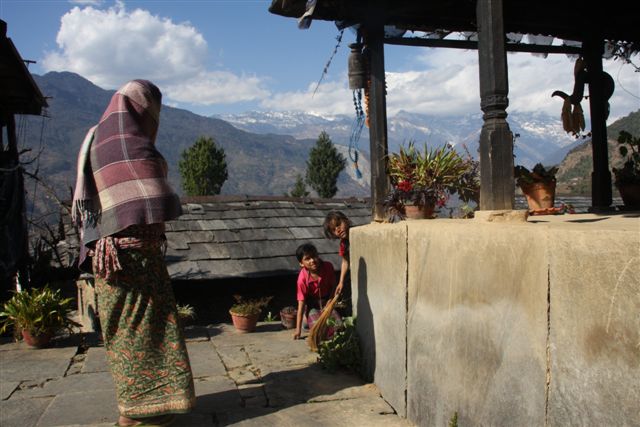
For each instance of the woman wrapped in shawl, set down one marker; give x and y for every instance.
(121, 201)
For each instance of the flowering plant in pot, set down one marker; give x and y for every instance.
(37, 314)
(245, 312)
(424, 180)
(627, 179)
(538, 185)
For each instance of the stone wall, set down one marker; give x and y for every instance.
(505, 324)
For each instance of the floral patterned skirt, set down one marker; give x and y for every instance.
(145, 346)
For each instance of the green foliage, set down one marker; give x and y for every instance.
(270, 317)
(629, 148)
(185, 312)
(343, 349)
(539, 173)
(299, 188)
(323, 166)
(37, 310)
(249, 306)
(453, 422)
(203, 168)
(429, 177)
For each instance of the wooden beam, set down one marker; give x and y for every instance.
(601, 197)
(374, 39)
(497, 186)
(469, 44)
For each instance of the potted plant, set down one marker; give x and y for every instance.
(288, 317)
(424, 180)
(38, 314)
(186, 314)
(245, 312)
(627, 179)
(538, 186)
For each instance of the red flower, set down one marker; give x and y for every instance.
(405, 186)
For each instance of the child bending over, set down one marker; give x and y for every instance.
(316, 283)
(336, 226)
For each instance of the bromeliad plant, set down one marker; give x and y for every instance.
(37, 311)
(430, 177)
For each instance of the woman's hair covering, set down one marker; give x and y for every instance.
(122, 177)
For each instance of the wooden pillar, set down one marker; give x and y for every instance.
(600, 176)
(374, 39)
(496, 140)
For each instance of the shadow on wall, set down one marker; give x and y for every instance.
(365, 326)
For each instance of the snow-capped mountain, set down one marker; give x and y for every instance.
(539, 137)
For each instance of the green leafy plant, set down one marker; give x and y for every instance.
(37, 311)
(453, 422)
(343, 349)
(186, 313)
(270, 317)
(539, 173)
(429, 177)
(629, 148)
(249, 306)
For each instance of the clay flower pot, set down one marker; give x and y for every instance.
(630, 194)
(288, 317)
(38, 341)
(418, 212)
(244, 322)
(540, 195)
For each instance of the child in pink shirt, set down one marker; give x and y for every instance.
(316, 283)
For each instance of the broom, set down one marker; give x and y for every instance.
(319, 329)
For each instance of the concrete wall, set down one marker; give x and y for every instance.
(506, 324)
(379, 292)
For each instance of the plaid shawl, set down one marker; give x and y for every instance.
(122, 178)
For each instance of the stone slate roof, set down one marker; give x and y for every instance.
(221, 237)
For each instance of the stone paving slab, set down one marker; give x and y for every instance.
(204, 359)
(92, 382)
(83, 407)
(7, 388)
(35, 364)
(23, 412)
(95, 360)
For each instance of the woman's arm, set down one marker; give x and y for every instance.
(301, 307)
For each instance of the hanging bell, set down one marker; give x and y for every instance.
(357, 67)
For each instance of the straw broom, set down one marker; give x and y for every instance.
(319, 329)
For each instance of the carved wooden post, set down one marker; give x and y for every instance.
(496, 140)
(374, 39)
(601, 176)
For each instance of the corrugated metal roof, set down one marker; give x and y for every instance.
(222, 237)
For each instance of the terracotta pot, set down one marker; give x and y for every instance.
(630, 194)
(418, 212)
(39, 341)
(288, 319)
(244, 323)
(540, 195)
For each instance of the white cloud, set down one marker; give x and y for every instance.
(114, 45)
(447, 83)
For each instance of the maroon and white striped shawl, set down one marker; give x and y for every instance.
(122, 177)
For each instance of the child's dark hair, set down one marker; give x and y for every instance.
(305, 249)
(332, 219)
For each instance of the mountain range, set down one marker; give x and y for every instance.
(265, 151)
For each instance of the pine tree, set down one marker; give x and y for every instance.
(299, 188)
(323, 166)
(203, 168)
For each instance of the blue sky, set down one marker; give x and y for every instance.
(231, 56)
